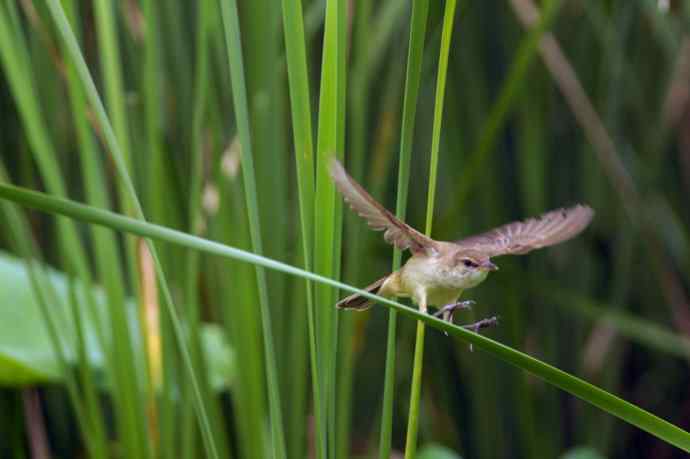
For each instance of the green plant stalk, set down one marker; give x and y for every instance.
(379, 37)
(417, 370)
(88, 387)
(298, 377)
(111, 68)
(298, 78)
(195, 219)
(266, 93)
(152, 112)
(241, 317)
(121, 362)
(234, 49)
(325, 213)
(466, 104)
(378, 161)
(20, 47)
(197, 152)
(72, 46)
(341, 102)
(106, 255)
(358, 118)
(260, 32)
(415, 393)
(242, 320)
(178, 49)
(420, 11)
(157, 185)
(613, 405)
(156, 193)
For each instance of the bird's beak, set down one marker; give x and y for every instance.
(488, 266)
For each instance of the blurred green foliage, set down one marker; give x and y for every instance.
(590, 105)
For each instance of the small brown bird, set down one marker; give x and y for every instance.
(438, 272)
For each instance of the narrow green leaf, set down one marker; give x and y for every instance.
(129, 192)
(234, 48)
(609, 403)
(416, 390)
(420, 11)
(298, 77)
(325, 211)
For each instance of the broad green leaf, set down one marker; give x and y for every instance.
(26, 352)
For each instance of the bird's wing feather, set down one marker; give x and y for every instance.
(520, 237)
(378, 217)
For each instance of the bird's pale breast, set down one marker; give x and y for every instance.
(442, 284)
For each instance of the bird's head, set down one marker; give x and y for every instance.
(474, 267)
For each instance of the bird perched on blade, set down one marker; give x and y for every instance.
(438, 271)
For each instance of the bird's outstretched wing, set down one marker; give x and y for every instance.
(521, 237)
(378, 217)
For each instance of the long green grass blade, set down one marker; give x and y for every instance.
(420, 10)
(609, 403)
(196, 221)
(341, 102)
(120, 161)
(326, 240)
(417, 369)
(111, 66)
(298, 78)
(234, 48)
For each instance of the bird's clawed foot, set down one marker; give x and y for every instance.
(484, 323)
(448, 310)
(446, 313)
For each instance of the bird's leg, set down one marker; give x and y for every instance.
(448, 310)
(420, 298)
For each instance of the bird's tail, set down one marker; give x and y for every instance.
(359, 302)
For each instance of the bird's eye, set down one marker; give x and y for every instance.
(469, 263)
